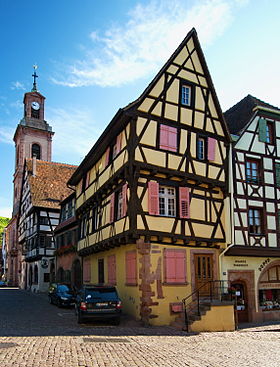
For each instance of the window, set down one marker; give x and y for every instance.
(186, 95)
(43, 220)
(167, 201)
(168, 138)
(83, 226)
(201, 148)
(175, 266)
(269, 133)
(101, 278)
(35, 113)
(162, 200)
(266, 131)
(117, 145)
(36, 151)
(255, 221)
(131, 268)
(118, 207)
(253, 171)
(94, 223)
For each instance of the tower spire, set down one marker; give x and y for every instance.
(34, 89)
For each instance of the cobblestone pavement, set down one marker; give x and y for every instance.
(34, 333)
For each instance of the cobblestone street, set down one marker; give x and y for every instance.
(34, 333)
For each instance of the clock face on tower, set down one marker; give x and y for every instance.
(35, 106)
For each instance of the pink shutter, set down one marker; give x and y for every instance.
(153, 188)
(124, 195)
(112, 269)
(170, 266)
(172, 139)
(180, 276)
(175, 266)
(107, 155)
(184, 199)
(112, 207)
(131, 269)
(211, 149)
(164, 137)
(119, 143)
(86, 271)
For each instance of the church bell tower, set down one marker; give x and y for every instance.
(33, 136)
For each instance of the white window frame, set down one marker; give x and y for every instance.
(167, 201)
(186, 95)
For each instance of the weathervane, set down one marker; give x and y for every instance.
(34, 89)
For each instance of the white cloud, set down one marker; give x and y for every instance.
(17, 86)
(75, 131)
(6, 134)
(138, 47)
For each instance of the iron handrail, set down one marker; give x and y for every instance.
(197, 292)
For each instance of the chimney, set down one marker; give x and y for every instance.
(34, 165)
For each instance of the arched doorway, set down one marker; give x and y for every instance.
(77, 274)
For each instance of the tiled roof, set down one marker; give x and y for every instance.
(49, 186)
(241, 113)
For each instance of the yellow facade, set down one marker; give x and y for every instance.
(142, 159)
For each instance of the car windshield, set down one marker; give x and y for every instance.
(63, 288)
(106, 294)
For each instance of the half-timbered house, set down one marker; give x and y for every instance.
(68, 264)
(152, 195)
(43, 187)
(253, 262)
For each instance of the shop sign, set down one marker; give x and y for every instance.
(240, 263)
(263, 264)
(269, 286)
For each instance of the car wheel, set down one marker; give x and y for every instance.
(80, 318)
(116, 321)
(50, 300)
(59, 303)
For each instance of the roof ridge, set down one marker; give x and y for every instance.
(40, 161)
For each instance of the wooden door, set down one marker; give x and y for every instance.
(241, 301)
(203, 273)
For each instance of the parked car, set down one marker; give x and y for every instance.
(61, 295)
(3, 284)
(98, 302)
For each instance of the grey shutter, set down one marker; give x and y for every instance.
(262, 130)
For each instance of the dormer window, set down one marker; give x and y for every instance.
(266, 131)
(269, 133)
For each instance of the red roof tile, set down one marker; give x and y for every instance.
(49, 186)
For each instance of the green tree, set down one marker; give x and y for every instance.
(3, 223)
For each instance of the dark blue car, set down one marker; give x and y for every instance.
(61, 295)
(98, 302)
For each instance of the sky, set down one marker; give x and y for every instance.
(97, 56)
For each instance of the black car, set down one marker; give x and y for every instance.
(61, 295)
(98, 302)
